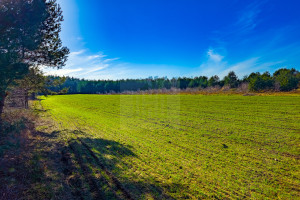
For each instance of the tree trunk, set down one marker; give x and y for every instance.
(2, 99)
(26, 99)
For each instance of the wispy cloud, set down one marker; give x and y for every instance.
(82, 64)
(255, 64)
(97, 66)
(213, 56)
(122, 70)
(250, 50)
(248, 18)
(242, 68)
(61, 72)
(218, 64)
(245, 22)
(212, 65)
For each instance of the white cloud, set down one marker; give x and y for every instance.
(213, 64)
(214, 56)
(132, 70)
(217, 64)
(75, 53)
(94, 69)
(82, 64)
(110, 59)
(255, 64)
(62, 72)
(242, 68)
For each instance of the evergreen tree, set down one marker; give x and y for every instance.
(29, 36)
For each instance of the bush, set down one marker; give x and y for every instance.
(231, 79)
(258, 82)
(287, 79)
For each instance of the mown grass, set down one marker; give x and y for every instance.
(190, 146)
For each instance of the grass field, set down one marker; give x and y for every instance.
(185, 146)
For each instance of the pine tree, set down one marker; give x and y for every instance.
(29, 36)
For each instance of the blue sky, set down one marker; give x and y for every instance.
(115, 39)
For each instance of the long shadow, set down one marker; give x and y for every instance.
(24, 168)
(105, 158)
(79, 168)
(38, 110)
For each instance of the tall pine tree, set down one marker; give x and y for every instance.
(29, 36)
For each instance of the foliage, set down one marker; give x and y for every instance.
(288, 79)
(285, 79)
(213, 81)
(257, 82)
(35, 82)
(231, 79)
(29, 36)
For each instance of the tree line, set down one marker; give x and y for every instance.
(281, 80)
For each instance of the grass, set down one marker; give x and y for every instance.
(189, 146)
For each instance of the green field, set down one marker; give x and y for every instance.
(188, 146)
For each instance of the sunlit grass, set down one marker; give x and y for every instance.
(191, 146)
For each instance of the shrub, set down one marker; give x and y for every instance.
(258, 82)
(231, 79)
(287, 79)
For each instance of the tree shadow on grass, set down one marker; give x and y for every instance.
(103, 158)
(23, 167)
(39, 110)
(79, 168)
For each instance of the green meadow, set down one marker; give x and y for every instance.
(185, 146)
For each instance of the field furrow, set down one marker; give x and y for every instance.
(190, 146)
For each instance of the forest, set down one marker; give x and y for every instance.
(281, 80)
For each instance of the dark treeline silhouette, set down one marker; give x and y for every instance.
(281, 80)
